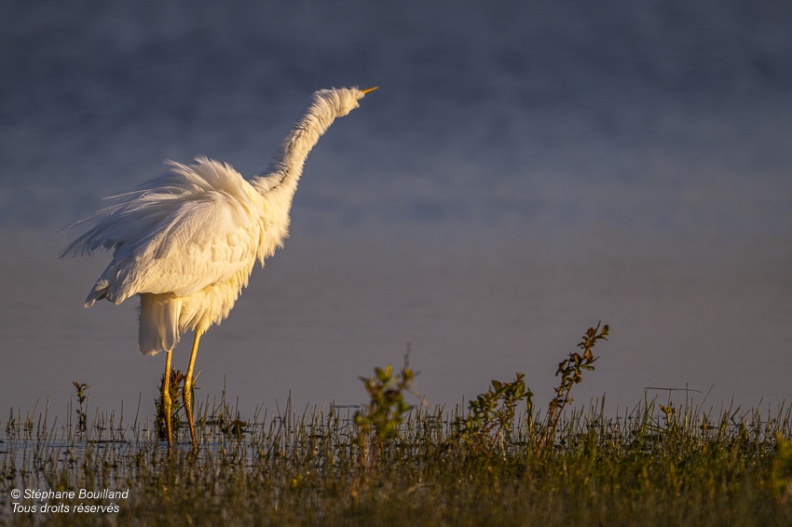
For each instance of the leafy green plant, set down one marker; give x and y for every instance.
(82, 396)
(490, 416)
(571, 372)
(379, 421)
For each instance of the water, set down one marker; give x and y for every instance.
(523, 171)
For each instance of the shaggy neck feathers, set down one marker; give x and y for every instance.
(287, 164)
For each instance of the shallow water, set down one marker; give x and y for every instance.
(521, 173)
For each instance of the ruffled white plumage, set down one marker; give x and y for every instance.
(198, 228)
(187, 241)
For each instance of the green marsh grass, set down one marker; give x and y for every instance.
(497, 462)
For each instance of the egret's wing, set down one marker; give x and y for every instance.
(197, 225)
(201, 242)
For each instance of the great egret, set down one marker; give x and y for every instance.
(186, 242)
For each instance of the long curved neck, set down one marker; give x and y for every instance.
(285, 169)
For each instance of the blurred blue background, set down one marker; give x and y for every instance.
(525, 170)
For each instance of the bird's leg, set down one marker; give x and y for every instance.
(166, 399)
(187, 391)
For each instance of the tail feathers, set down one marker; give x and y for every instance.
(159, 323)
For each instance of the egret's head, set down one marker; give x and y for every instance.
(344, 99)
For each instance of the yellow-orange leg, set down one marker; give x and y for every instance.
(187, 391)
(166, 399)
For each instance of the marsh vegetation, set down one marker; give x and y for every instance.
(499, 460)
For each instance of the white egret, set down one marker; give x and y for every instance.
(186, 242)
